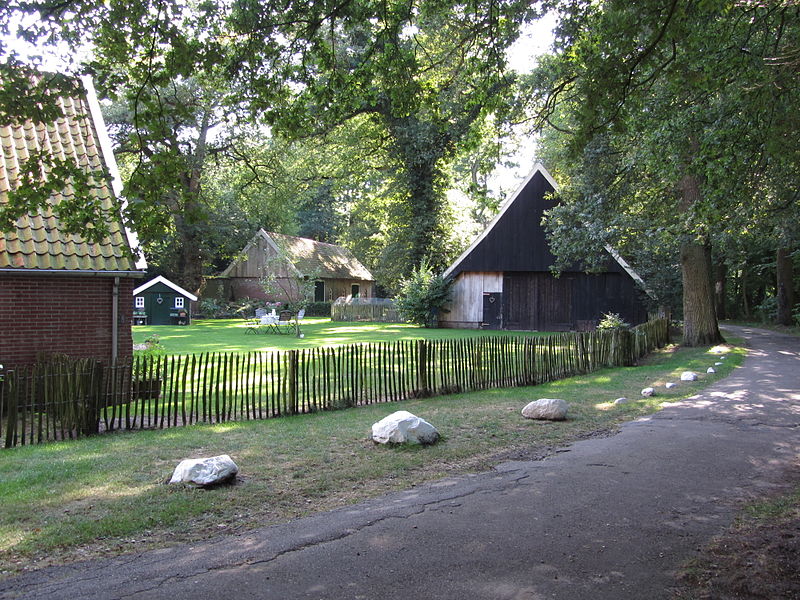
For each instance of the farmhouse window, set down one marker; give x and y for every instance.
(139, 302)
(179, 302)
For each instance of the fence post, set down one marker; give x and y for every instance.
(422, 369)
(291, 387)
(10, 396)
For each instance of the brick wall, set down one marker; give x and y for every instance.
(61, 314)
(249, 287)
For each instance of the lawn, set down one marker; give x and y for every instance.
(228, 335)
(106, 494)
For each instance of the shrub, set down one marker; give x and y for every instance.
(612, 321)
(318, 309)
(422, 295)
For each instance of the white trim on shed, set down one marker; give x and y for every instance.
(166, 282)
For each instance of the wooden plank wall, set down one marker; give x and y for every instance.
(466, 307)
(255, 258)
(539, 301)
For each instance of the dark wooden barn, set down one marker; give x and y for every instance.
(503, 280)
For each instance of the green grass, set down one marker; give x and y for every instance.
(228, 335)
(106, 494)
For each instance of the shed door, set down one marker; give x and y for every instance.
(492, 310)
(160, 308)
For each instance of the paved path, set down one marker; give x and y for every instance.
(609, 518)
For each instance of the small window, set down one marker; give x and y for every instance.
(179, 301)
(139, 302)
(354, 290)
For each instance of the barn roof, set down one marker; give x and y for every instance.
(329, 261)
(173, 286)
(515, 239)
(36, 243)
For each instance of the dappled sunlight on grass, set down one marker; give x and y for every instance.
(721, 349)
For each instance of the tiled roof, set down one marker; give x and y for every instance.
(37, 242)
(329, 260)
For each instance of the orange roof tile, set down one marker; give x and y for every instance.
(36, 242)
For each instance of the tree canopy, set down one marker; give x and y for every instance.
(671, 123)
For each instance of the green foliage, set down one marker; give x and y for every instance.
(318, 309)
(612, 321)
(658, 113)
(423, 295)
(767, 311)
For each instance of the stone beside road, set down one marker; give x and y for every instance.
(549, 409)
(205, 471)
(402, 427)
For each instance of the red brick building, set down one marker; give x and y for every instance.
(58, 292)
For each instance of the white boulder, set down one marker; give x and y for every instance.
(621, 401)
(401, 427)
(648, 391)
(688, 376)
(670, 385)
(550, 409)
(205, 471)
(711, 370)
(716, 364)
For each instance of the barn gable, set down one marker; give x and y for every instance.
(503, 279)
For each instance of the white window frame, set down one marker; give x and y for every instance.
(179, 302)
(138, 302)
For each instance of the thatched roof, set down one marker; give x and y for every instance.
(328, 261)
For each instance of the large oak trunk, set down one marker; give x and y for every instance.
(785, 283)
(700, 326)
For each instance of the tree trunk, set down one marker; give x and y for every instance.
(720, 289)
(785, 287)
(745, 292)
(700, 326)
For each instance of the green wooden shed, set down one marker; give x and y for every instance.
(161, 302)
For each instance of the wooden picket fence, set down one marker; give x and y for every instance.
(376, 310)
(70, 399)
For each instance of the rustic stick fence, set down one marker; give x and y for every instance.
(69, 399)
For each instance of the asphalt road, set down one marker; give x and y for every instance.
(606, 518)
